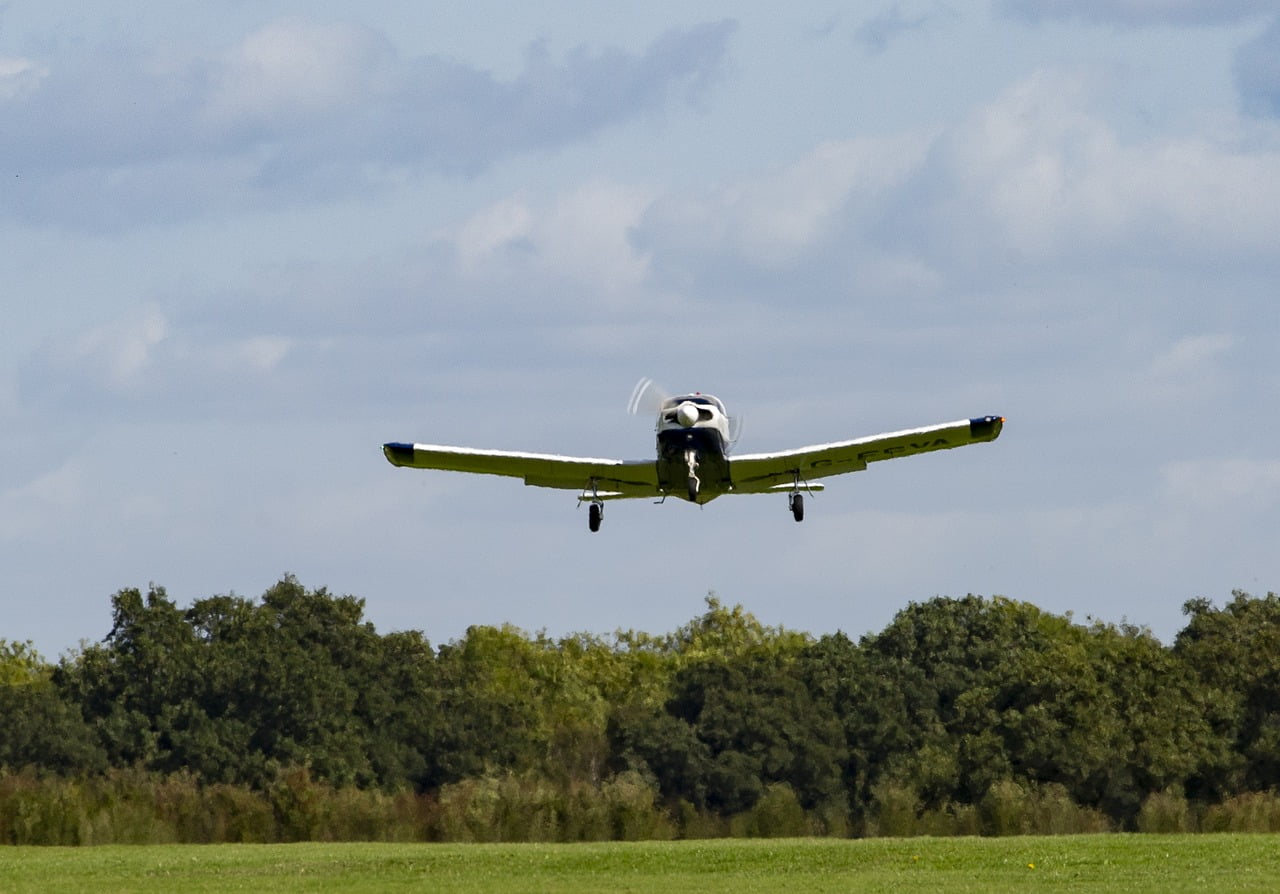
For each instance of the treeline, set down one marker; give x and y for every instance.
(291, 718)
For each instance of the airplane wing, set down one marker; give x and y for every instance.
(613, 479)
(756, 473)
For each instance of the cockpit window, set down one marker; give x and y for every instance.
(704, 400)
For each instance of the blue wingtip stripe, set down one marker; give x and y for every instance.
(987, 427)
(398, 454)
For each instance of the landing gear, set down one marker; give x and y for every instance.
(795, 502)
(595, 506)
(691, 459)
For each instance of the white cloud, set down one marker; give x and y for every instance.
(1188, 371)
(114, 355)
(582, 238)
(262, 353)
(1232, 484)
(1036, 173)
(296, 69)
(1190, 356)
(773, 220)
(19, 77)
(491, 230)
(40, 505)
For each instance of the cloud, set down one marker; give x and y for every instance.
(1233, 483)
(1013, 197)
(1037, 177)
(19, 77)
(296, 70)
(893, 22)
(1137, 13)
(1030, 207)
(146, 359)
(583, 238)
(783, 217)
(1257, 72)
(304, 111)
(1190, 370)
(113, 357)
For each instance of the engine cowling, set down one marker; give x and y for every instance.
(687, 414)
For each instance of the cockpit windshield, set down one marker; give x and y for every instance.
(705, 400)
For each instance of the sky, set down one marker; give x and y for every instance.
(243, 245)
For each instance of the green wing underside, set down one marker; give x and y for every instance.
(762, 472)
(612, 478)
(751, 473)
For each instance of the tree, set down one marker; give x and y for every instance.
(1235, 652)
(731, 727)
(37, 728)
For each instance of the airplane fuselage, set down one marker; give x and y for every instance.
(693, 448)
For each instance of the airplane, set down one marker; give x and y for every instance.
(693, 459)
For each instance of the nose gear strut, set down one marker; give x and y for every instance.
(691, 458)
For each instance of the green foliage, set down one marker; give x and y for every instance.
(1165, 812)
(1245, 812)
(290, 718)
(1235, 653)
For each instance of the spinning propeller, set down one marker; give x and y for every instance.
(646, 397)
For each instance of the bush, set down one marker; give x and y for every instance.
(1165, 812)
(39, 811)
(777, 814)
(895, 811)
(633, 811)
(1053, 812)
(1249, 812)
(1005, 809)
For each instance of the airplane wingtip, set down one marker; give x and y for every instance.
(398, 454)
(986, 428)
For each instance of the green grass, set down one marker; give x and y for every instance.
(1157, 863)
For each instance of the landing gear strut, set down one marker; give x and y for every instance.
(796, 502)
(595, 507)
(691, 458)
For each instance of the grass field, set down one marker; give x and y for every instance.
(1156, 863)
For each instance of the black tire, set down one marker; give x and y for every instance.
(594, 513)
(693, 489)
(797, 507)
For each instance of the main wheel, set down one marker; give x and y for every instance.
(595, 512)
(797, 506)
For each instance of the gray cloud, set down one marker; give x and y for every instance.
(1137, 13)
(297, 109)
(893, 22)
(1029, 209)
(1257, 71)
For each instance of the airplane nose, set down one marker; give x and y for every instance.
(687, 414)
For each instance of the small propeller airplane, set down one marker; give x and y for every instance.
(693, 459)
